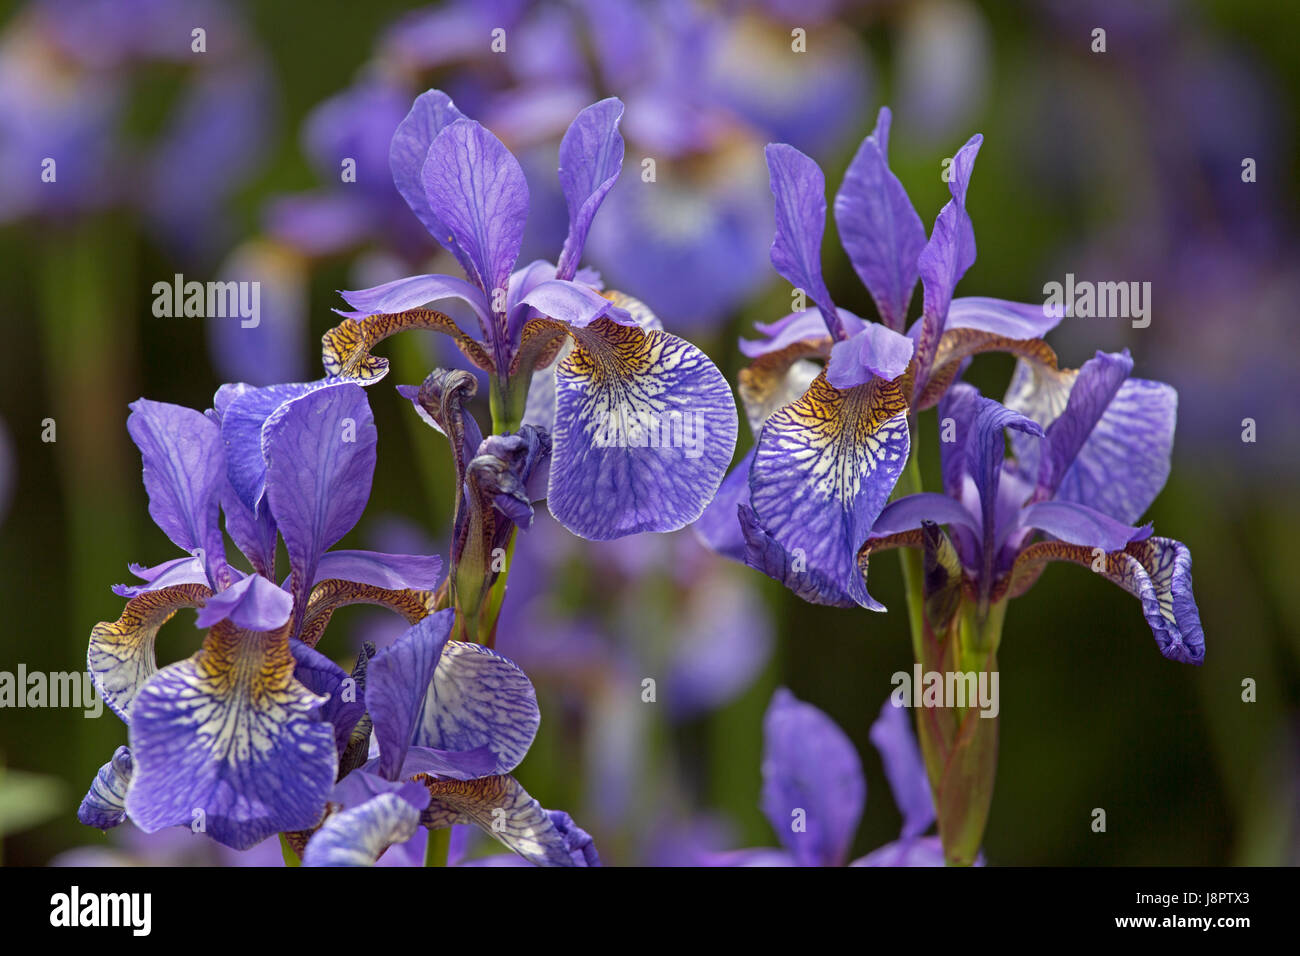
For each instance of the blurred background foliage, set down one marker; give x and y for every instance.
(1122, 165)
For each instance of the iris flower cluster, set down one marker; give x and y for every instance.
(260, 733)
(622, 428)
(833, 399)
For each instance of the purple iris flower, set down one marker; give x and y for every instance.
(451, 720)
(704, 87)
(814, 790)
(233, 737)
(1091, 452)
(641, 423)
(833, 440)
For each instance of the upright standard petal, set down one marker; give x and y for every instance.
(431, 112)
(479, 699)
(396, 683)
(813, 786)
(241, 432)
(227, 739)
(1110, 446)
(799, 189)
(879, 228)
(946, 257)
(254, 534)
(645, 427)
(1097, 383)
(320, 459)
(183, 474)
(824, 468)
(591, 157)
(477, 190)
(358, 837)
(985, 452)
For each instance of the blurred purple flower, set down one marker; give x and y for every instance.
(814, 791)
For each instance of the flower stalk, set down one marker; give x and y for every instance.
(958, 743)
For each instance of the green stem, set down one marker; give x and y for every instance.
(909, 483)
(439, 845)
(507, 398)
(959, 744)
(89, 343)
(290, 857)
(479, 606)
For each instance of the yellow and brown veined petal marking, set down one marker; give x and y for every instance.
(504, 809)
(776, 379)
(121, 653)
(345, 349)
(643, 429)
(823, 470)
(328, 596)
(231, 737)
(957, 345)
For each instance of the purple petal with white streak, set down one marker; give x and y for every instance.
(477, 699)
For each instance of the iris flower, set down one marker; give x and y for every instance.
(641, 423)
(451, 721)
(814, 790)
(833, 440)
(232, 737)
(1091, 452)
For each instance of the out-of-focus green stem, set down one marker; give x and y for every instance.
(88, 334)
